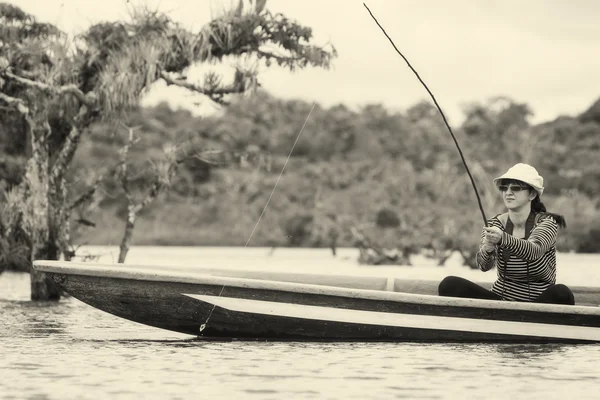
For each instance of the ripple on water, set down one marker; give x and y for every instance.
(68, 350)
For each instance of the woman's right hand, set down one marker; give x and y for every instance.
(488, 246)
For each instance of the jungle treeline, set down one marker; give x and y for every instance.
(395, 176)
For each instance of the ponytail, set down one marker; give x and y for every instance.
(538, 207)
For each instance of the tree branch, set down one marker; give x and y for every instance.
(155, 189)
(281, 60)
(66, 89)
(87, 195)
(28, 74)
(157, 186)
(214, 94)
(15, 102)
(122, 167)
(70, 145)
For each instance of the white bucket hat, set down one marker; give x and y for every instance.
(526, 174)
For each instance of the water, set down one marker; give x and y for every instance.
(69, 350)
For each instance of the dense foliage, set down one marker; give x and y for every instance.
(395, 175)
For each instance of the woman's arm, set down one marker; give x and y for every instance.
(542, 238)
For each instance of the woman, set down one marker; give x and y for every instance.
(520, 243)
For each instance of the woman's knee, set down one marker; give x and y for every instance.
(450, 286)
(557, 294)
(564, 294)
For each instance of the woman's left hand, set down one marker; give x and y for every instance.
(493, 234)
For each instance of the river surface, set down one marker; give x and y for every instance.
(68, 350)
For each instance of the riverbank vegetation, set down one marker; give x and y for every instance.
(394, 176)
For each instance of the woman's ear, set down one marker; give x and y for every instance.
(532, 195)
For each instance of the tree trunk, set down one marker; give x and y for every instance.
(51, 234)
(58, 218)
(39, 210)
(42, 288)
(129, 225)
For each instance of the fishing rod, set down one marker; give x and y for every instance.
(439, 109)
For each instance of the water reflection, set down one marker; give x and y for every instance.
(33, 319)
(163, 343)
(531, 352)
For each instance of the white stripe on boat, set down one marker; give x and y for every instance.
(402, 320)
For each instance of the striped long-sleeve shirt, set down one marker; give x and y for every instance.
(531, 268)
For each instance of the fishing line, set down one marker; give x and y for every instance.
(280, 174)
(439, 109)
(203, 326)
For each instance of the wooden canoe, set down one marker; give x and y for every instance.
(264, 305)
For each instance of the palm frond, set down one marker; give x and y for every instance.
(127, 76)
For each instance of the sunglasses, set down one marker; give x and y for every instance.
(513, 188)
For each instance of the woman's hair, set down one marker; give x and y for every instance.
(538, 207)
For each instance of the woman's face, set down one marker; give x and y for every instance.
(516, 194)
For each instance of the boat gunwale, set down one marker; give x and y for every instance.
(140, 273)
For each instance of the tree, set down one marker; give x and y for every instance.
(58, 87)
(161, 174)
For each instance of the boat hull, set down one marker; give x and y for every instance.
(227, 308)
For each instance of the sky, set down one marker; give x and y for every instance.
(543, 53)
